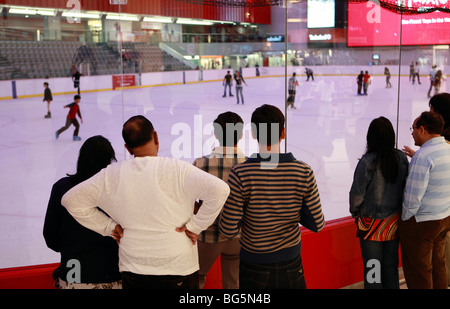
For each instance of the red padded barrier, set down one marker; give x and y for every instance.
(29, 277)
(331, 260)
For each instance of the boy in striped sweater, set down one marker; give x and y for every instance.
(268, 194)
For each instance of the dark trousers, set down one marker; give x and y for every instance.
(137, 281)
(68, 123)
(283, 275)
(359, 88)
(423, 253)
(385, 254)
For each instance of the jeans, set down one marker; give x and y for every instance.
(225, 89)
(386, 253)
(239, 91)
(137, 281)
(282, 275)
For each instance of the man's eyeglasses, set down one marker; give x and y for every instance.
(412, 128)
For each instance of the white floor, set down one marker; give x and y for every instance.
(327, 130)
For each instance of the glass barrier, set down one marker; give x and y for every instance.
(174, 75)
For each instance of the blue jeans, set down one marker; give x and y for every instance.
(282, 275)
(225, 89)
(386, 253)
(239, 92)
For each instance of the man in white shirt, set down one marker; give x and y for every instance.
(152, 199)
(426, 206)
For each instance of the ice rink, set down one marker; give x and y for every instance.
(327, 131)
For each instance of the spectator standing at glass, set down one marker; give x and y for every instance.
(97, 255)
(440, 104)
(228, 128)
(270, 194)
(426, 206)
(376, 200)
(150, 204)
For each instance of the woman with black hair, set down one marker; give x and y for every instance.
(88, 260)
(376, 199)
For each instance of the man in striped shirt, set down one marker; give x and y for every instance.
(426, 206)
(228, 128)
(268, 194)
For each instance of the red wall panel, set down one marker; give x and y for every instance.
(175, 8)
(331, 260)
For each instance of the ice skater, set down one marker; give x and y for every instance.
(437, 81)
(292, 87)
(432, 76)
(72, 119)
(388, 77)
(411, 72)
(416, 73)
(366, 82)
(309, 73)
(227, 82)
(359, 81)
(76, 80)
(49, 98)
(239, 80)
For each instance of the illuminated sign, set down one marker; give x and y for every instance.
(320, 37)
(275, 38)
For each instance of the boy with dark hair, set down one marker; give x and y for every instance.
(49, 98)
(267, 202)
(228, 128)
(72, 119)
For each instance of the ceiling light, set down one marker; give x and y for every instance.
(81, 15)
(46, 12)
(122, 17)
(22, 11)
(158, 20)
(194, 22)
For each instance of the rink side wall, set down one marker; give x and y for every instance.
(331, 260)
(29, 88)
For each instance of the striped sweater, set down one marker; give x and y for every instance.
(264, 204)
